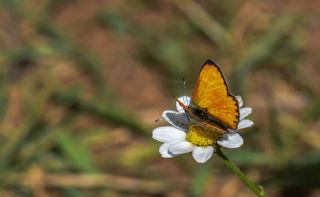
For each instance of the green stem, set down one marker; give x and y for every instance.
(232, 166)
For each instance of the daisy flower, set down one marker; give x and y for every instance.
(183, 136)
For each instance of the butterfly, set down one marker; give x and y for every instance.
(212, 104)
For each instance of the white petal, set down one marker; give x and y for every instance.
(185, 100)
(239, 99)
(202, 154)
(244, 112)
(167, 133)
(176, 119)
(230, 140)
(181, 147)
(164, 149)
(245, 123)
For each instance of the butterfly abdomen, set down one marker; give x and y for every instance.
(202, 115)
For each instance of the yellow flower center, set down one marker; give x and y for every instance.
(202, 136)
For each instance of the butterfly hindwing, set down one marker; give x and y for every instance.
(211, 93)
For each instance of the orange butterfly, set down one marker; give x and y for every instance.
(212, 103)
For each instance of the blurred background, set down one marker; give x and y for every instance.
(82, 83)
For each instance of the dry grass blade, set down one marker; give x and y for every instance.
(206, 23)
(263, 49)
(36, 178)
(109, 112)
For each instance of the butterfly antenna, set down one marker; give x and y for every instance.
(157, 120)
(185, 93)
(185, 89)
(185, 86)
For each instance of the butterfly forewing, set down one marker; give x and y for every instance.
(211, 93)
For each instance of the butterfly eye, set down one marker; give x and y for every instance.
(200, 113)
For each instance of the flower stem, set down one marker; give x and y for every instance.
(232, 166)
